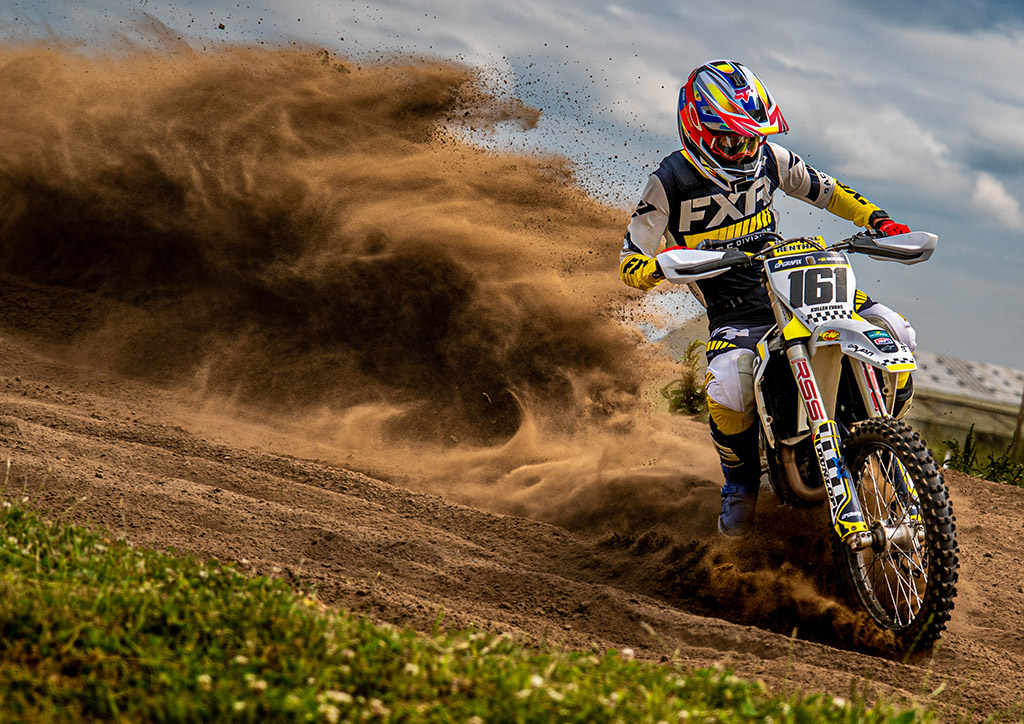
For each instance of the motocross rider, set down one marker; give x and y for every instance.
(719, 187)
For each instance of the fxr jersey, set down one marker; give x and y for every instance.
(684, 208)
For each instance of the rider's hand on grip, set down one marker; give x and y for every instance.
(892, 228)
(641, 272)
(880, 221)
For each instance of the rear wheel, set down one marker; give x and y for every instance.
(906, 579)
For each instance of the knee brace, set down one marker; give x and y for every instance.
(891, 320)
(730, 390)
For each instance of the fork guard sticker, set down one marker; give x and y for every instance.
(843, 504)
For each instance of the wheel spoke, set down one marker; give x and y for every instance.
(886, 500)
(905, 577)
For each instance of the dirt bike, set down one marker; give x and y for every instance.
(825, 385)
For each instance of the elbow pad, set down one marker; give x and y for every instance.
(640, 271)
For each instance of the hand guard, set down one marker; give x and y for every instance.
(641, 272)
(880, 220)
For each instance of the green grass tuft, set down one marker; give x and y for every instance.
(96, 630)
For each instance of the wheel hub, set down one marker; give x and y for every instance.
(903, 535)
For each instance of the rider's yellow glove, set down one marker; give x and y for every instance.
(641, 272)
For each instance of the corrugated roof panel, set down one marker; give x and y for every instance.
(979, 380)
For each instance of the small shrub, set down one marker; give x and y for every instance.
(686, 394)
(998, 469)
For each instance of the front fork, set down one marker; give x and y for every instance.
(844, 505)
(875, 402)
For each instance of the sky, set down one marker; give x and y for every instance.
(919, 105)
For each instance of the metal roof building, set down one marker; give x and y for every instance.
(953, 394)
(975, 380)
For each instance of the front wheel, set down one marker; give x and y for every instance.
(906, 579)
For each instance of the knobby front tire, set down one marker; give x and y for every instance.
(906, 579)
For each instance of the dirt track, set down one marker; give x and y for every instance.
(122, 455)
(313, 245)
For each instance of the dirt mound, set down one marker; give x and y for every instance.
(321, 278)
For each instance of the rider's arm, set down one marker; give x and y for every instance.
(801, 181)
(637, 266)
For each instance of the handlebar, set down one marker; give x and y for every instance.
(900, 247)
(682, 265)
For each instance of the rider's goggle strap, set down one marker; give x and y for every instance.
(732, 146)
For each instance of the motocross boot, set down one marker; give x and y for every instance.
(739, 504)
(741, 466)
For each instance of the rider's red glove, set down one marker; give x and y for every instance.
(891, 228)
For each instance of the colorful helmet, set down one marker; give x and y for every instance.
(725, 113)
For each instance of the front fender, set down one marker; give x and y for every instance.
(865, 342)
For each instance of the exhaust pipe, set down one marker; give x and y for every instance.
(796, 483)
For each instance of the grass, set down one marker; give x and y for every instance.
(93, 629)
(1001, 468)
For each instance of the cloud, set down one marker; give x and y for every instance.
(955, 15)
(885, 144)
(992, 200)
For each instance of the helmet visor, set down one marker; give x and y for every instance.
(733, 147)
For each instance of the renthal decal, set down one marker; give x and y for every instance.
(830, 336)
(809, 390)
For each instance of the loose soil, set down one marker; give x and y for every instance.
(165, 472)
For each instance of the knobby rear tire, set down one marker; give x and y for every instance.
(907, 588)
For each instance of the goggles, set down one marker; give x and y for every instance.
(732, 147)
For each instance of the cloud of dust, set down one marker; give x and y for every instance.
(785, 579)
(607, 477)
(292, 230)
(310, 239)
